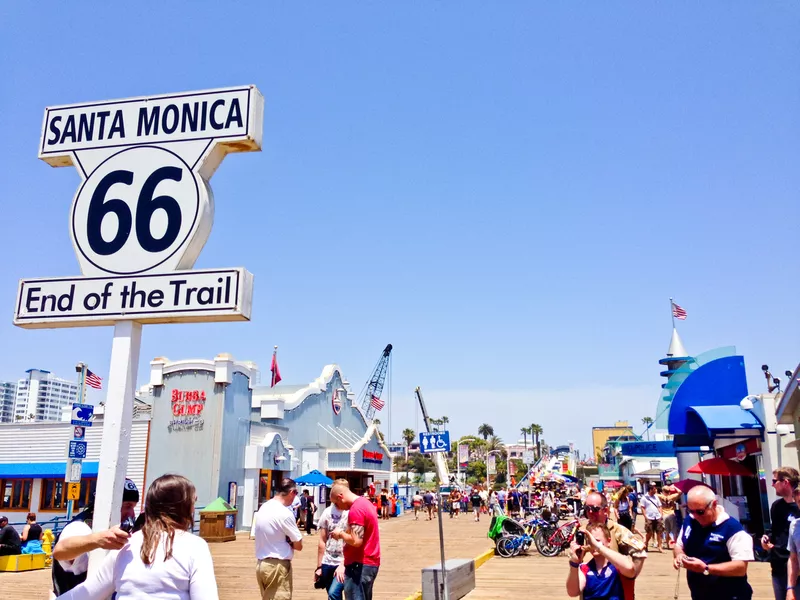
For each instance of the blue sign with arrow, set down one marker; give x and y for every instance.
(434, 441)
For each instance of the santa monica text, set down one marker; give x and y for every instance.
(147, 120)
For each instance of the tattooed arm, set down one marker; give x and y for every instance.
(354, 536)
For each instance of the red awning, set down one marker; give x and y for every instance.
(721, 466)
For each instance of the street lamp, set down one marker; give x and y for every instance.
(488, 454)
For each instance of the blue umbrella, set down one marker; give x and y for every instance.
(314, 478)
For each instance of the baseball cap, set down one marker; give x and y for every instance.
(130, 493)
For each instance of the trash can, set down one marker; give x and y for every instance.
(218, 522)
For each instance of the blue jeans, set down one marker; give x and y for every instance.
(335, 588)
(779, 585)
(358, 581)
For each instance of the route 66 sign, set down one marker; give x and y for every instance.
(144, 209)
(144, 205)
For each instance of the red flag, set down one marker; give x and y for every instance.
(276, 374)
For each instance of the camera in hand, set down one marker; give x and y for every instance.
(580, 538)
(127, 525)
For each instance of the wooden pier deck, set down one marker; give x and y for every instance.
(407, 547)
(534, 576)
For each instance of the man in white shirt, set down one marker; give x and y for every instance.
(71, 552)
(277, 537)
(653, 518)
(330, 553)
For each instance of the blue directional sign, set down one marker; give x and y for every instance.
(82, 414)
(437, 441)
(77, 449)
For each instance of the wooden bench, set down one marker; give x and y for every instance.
(460, 574)
(22, 562)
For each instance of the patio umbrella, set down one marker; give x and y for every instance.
(314, 478)
(684, 485)
(612, 484)
(721, 466)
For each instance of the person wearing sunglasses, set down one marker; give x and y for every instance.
(622, 540)
(782, 514)
(714, 549)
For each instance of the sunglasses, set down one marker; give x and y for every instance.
(700, 512)
(594, 509)
(774, 481)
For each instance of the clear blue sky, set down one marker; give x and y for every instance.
(508, 194)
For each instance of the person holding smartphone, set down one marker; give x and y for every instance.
(72, 547)
(600, 578)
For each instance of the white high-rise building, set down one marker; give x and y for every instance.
(41, 396)
(8, 394)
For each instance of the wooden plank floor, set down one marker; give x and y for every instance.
(539, 577)
(406, 547)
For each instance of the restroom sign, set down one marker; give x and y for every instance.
(144, 208)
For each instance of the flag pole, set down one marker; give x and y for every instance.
(672, 311)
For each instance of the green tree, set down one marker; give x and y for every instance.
(524, 432)
(409, 436)
(647, 421)
(485, 431)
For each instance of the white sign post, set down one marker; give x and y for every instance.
(138, 222)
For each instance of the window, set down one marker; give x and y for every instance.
(16, 494)
(54, 494)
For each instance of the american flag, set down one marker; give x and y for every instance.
(377, 403)
(94, 381)
(678, 312)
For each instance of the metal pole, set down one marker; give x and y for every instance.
(81, 400)
(445, 592)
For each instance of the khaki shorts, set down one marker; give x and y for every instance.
(655, 526)
(274, 579)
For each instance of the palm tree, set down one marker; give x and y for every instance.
(524, 432)
(409, 436)
(647, 422)
(536, 430)
(496, 443)
(485, 430)
(444, 421)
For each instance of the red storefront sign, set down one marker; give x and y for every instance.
(188, 402)
(740, 450)
(368, 456)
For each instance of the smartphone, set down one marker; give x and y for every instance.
(580, 538)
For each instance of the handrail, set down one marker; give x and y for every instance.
(56, 524)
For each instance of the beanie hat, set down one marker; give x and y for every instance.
(130, 492)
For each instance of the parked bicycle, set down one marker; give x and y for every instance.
(552, 541)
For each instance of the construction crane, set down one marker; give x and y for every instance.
(372, 398)
(439, 458)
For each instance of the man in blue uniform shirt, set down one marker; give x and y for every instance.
(714, 549)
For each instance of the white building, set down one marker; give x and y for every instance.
(33, 465)
(8, 393)
(42, 395)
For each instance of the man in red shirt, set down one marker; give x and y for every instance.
(362, 550)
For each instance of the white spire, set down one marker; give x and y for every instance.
(676, 345)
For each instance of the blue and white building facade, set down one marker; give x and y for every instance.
(235, 439)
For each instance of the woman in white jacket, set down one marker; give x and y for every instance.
(163, 561)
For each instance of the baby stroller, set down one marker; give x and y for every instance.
(510, 537)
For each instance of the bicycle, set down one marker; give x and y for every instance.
(552, 541)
